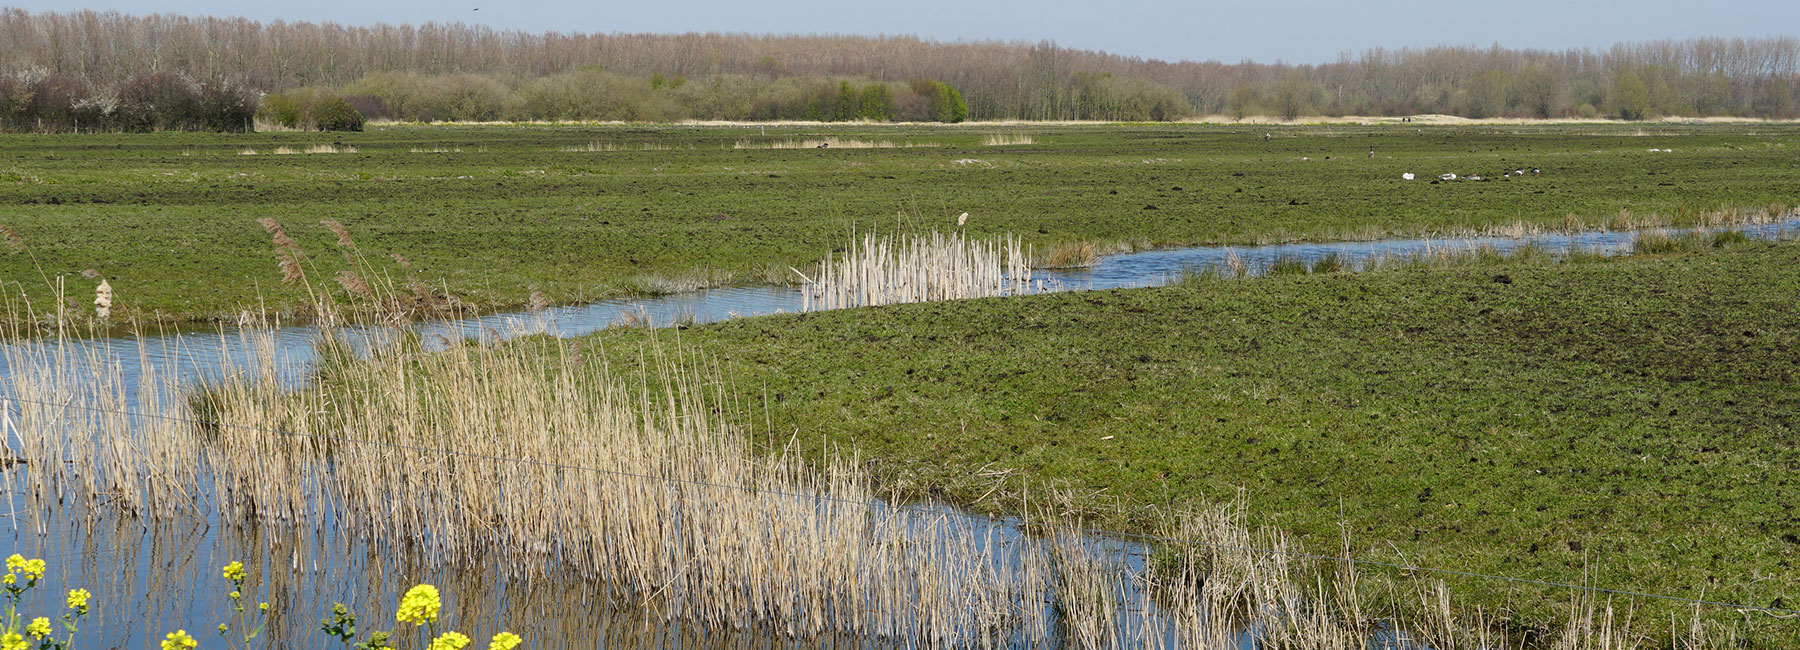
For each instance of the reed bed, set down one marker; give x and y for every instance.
(885, 270)
(600, 147)
(1008, 140)
(538, 462)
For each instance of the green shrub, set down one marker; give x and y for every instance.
(337, 115)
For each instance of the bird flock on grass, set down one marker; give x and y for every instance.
(1450, 177)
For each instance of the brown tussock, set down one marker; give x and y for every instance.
(401, 260)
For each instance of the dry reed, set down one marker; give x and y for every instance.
(103, 300)
(639, 484)
(917, 268)
(1008, 139)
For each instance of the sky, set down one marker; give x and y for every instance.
(1295, 31)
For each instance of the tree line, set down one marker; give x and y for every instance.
(66, 67)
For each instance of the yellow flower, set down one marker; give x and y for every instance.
(236, 595)
(15, 562)
(505, 641)
(9, 579)
(419, 606)
(234, 571)
(179, 640)
(449, 641)
(34, 569)
(39, 628)
(78, 600)
(262, 606)
(12, 641)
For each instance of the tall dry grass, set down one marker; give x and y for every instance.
(1008, 139)
(885, 270)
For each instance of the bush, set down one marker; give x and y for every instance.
(280, 109)
(337, 115)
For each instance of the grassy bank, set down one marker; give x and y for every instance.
(589, 212)
(1625, 423)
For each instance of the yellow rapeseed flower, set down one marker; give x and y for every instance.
(450, 641)
(236, 595)
(78, 600)
(179, 640)
(505, 641)
(419, 606)
(234, 571)
(12, 641)
(39, 628)
(15, 562)
(34, 569)
(9, 579)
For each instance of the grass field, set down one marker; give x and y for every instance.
(170, 220)
(1626, 423)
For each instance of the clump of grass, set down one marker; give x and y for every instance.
(1287, 265)
(1330, 263)
(1729, 238)
(1658, 243)
(1078, 254)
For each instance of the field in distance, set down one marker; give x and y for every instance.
(588, 212)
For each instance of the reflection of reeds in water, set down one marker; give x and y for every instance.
(918, 268)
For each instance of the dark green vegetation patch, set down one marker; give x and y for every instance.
(1631, 423)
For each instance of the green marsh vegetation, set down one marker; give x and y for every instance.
(1623, 423)
(484, 214)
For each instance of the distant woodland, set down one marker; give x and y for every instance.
(87, 70)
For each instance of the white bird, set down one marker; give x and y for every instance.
(1407, 176)
(1447, 177)
(962, 219)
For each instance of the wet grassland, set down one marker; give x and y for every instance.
(486, 213)
(1625, 423)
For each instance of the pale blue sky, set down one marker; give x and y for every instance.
(1297, 31)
